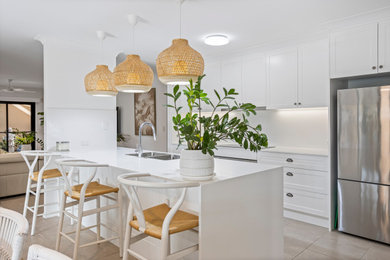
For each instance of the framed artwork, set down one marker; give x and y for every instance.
(145, 111)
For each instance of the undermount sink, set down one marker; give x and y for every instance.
(157, 155)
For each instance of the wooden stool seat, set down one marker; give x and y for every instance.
(47, 174)
(154, 218)
(93, 189)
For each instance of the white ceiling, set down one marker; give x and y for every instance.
(246, 22)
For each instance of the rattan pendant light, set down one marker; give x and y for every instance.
(100, 82)
(179, 63)
(133, 75)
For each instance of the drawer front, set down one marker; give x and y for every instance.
(310, 162)
(307, 202)
(308, 180)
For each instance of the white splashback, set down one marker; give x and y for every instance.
(295, 127)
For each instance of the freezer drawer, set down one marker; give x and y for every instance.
(364, 210)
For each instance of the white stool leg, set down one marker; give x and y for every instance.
(126, 243)
(61, 222)
(36, 204)
(78, 229)
(98, 219)
(165, 246)
(27, 198)
(120, 226)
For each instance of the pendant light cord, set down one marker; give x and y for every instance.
(180, 3)
(101, 51)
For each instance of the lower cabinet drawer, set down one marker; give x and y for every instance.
(307, 202)
(309, 180)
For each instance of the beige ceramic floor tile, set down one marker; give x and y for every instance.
(377, 252)
(311, 255)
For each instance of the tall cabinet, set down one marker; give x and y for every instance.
(361, 50)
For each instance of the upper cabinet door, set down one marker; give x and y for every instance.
(354, 51)
(283, 79)
(231, 76)
(384, 47)
(314, 74)
(254, 80)
(212, 81)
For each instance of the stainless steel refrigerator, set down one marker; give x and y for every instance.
(364, 162)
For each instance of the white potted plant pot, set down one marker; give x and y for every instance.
(196, 165)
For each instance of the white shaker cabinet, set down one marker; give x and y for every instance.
(212, 81)
(231, 73)
(283, 79)
(254, 80)
(384, 47)
(313, 82)
(354, 51)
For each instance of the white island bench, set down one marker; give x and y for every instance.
(240, 210)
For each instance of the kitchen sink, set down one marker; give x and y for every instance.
(157, 155)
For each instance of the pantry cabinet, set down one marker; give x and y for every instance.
(212, 81)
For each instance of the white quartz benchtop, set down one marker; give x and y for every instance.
(224, 169)
(297, 150)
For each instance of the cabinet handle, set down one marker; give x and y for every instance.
(289, 160)
(381, 66)
(299, 103)
(289, 174)
(374, 67)
(295, 103)
(289, 195)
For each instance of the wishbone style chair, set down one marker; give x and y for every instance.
(13, 232)
(81, 193)
(38, 252)
(159, 221)
(37, 180)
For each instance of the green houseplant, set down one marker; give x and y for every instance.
(24, 139)
(202, 132)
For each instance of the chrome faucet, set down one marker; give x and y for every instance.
(140, 150)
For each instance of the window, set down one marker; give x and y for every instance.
(17, 120)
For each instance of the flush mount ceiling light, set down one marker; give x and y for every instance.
(216, 40)
(179, 63)
(133, 75)
(100, 82)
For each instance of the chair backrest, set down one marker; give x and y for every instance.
(129, 183)
(36, 154)
(13, 231)
(68, 166)
(38, 252)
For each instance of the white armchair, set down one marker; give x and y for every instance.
(38, 252)
(13, 231)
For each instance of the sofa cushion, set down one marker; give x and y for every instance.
(11, 157)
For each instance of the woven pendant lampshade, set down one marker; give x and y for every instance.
(133, 75)
(100, 82)
(179, 63)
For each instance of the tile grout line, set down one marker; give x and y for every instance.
(306, 248)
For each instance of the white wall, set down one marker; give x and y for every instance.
(125, 102)
(70, 113)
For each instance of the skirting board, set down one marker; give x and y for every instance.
(311, 219)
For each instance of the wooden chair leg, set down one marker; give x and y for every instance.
(98, 228)
(61, 222)
(78, 229)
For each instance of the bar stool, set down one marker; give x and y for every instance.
(81, 193)
(159, 221)
(38, 178)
